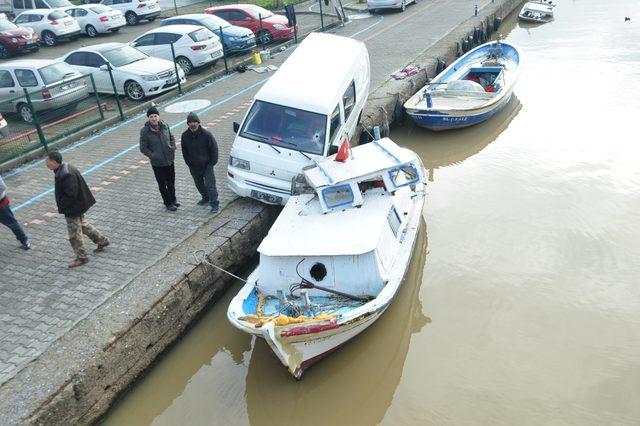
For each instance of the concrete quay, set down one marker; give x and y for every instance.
(72, 340)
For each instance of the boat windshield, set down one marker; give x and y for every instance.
(286, 127)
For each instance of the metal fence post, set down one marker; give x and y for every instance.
(295, 33)
(95, 92)
(321, 16)
(115, 91)
(224, 52)
(36, 121)
(344, 15)
(175, 66)
(260, 34)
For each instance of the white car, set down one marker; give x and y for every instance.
(51, 25)
(194, 46)
(135, 10)
(375, 5)
(136, 74)
(97, 18)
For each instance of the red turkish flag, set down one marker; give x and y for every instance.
(343, 152)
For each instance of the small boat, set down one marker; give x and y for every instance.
(537, 12)
(470, 90)
(336, 256)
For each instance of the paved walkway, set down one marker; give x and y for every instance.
(41, 299)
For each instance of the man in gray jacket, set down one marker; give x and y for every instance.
(7, 218)
(159, 145)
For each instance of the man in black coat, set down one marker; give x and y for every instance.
(74, 198)
(200, 152)
(159, 145)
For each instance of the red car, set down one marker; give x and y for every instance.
(14, 39)
(274, 27)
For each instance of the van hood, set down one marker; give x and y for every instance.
(148, 66)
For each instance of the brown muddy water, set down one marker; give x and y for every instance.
(524, 309)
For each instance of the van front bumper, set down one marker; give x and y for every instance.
(262, 188)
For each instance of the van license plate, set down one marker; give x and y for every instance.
(267, 198)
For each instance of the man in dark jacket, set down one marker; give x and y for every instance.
(74, 198)
(159, 145)
(7, 218)
(200, 152)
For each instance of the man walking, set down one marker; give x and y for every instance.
(74, 198)
(200, 152)
(7, 218)
(159, 145)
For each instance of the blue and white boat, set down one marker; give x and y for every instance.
(470, 90)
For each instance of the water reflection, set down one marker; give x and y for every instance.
(356, 384)
(441, 149)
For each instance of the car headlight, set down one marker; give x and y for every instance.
(241, 164)
(279, 27)
(150, 77)
(14, 40)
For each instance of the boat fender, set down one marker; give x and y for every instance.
(497, 21)
(440, 65)
(398, 113)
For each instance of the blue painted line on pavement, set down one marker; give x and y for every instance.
(131, 120)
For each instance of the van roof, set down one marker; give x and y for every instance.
(311, 78)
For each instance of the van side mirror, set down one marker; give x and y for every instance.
(236, 127)
(332, 150)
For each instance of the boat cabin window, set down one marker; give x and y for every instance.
(373, 183)
(338, 195)
(286, 127)
(404, 175)
(349, 100)
(335, 123)
(394, 221)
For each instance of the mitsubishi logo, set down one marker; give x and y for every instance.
(273, 173)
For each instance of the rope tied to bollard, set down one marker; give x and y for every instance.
(204, 260)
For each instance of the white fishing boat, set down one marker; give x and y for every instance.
(470, 90)
(336, 256)
(537, 12)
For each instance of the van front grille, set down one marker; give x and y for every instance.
(268, 187)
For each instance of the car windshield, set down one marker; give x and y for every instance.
(257, 10)
(99, 9)
(124, 55)
(59, 3)
(202, 34)
(57, 72)
(6, 25)
(213, 22)
(58, 14)
(286, 127)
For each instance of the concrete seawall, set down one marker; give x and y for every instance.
(83, 372)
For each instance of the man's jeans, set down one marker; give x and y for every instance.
(205, 181)
(7, 218)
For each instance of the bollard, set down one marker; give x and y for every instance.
(475, 10)
(115, 92)
(224, 52)
(376, 133)
(175, 66)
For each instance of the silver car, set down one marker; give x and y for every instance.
(51, 85)
(375, 5)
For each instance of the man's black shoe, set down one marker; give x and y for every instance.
(203, 202)
(172, 208)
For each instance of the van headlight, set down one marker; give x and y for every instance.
(240, 164)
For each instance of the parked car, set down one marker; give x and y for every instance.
(274, 27)
(45, 79)
(97, 18)
(15, 39)
(3, 125)
(51, 25)
(401, 5)
(194, 46)
(16, 7)
(234, 38)
(136, 74)
(135, 10)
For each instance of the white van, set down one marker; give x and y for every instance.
(303, 113)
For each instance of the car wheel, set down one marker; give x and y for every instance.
(134, 91)
(49, 38)
(185, 64)
(4, 52)
(265, 37)
(403, 6)
(91, 31)
(132, 18)
(25, 113)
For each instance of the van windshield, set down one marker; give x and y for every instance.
(286, 127)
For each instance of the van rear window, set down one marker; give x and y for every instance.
(286, 127)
